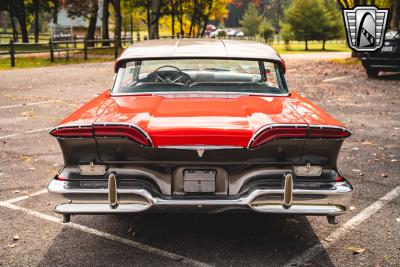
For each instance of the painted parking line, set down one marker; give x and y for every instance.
(337, 78)
(18, 199)
(26, 132)
(346, 228)
(28, 104)
(172, 256)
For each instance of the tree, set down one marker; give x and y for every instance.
(305, 18)
(104, 22)
(332, 26)
(87, 9)
(118, 19)
(16, 8)
(395, 18)
(251, 20)
(287, 35)
(266, 31)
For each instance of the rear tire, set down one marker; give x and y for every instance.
(372, 73)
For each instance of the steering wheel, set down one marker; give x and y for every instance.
(169, 76)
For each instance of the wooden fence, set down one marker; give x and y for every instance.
(64, 48)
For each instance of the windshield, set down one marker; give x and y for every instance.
(208, 75)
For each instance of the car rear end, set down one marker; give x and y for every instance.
(385, 59)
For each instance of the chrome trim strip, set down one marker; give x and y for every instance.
(203, 147)
(197, 92)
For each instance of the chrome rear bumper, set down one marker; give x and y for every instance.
(308, 202)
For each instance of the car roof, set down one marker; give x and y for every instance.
(200, 48)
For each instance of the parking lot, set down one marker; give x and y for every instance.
(31, 234)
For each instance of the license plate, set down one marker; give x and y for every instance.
(387, 49)
(199, 181)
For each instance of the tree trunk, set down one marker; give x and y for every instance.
(148, 20)
(55, 11)
(173, 19)
(323, 44)
(36, 27)
(21, 16)
(118, 20)
(395, 20)
(206, 18)
(92, 25)
(193, 20)
(306, 44)
(180, 18)
(154, 18)
(14, 29)
(104, 22)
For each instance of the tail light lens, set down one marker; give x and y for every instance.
(287, 132)
(328, 133)
(124, 131)
(278, 133)
(75, 132)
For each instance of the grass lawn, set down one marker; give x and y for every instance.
(298, 47)
(32, 62)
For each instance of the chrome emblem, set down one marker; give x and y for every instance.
(365, 27)
(200, 152)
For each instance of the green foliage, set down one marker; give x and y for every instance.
(266, 31)
(314, 20)
(251, 20)
(287, 35)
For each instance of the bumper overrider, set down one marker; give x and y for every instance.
(285, 200)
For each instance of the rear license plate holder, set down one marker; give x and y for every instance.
(199, 181)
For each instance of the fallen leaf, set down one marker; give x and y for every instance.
(361, 174)
(355, 250)
(352, 208)
(367, 143)
(384, 175)
(355, 148)
(356, 170)
(394, 160)
(398, 220)
(16, 237)
(16, 191)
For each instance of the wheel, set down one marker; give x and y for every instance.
(373, 73)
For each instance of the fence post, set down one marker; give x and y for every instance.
(51, 51)
(12, 53)
(116, 43)
(85, 48)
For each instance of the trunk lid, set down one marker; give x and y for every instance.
(222, 121)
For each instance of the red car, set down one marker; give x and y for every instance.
(202, 125)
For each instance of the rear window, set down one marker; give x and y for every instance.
(208, 75)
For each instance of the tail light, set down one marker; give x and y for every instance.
(74, 131)
(278, 133)
(291, 132)
(328, 133)
(125, 131)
